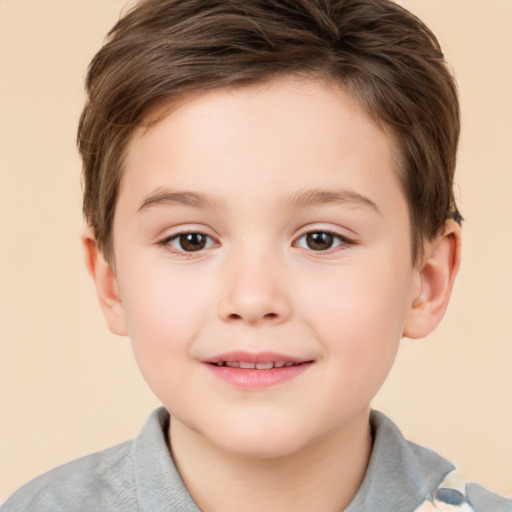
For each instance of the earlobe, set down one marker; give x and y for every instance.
(105, 283)
(436, 273)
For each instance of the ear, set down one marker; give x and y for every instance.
(106, 284)
(436, 272)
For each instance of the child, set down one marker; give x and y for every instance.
(268, 192)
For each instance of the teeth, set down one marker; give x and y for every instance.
(264, 366)
(255, 366)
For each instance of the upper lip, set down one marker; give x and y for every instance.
(254, 357)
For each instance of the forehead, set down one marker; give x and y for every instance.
(278, 136)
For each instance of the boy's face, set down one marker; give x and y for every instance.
(264, 225)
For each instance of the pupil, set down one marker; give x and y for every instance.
(319, 241)
(192, 242)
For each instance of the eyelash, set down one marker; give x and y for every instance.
(343, 241)
(336, 238)
(179, 237)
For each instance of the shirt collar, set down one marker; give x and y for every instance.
(157, 480)
(400, 474)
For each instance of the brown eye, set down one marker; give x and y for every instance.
(319, 241)
(190, 242)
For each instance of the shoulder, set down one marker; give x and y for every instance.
(454, 493)
(483, 500)
(100, 481)
(131, 477)
(409, 477)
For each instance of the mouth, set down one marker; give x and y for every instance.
(256, 361)
(245, 370)
(245, 365)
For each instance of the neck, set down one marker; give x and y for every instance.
(324, 475)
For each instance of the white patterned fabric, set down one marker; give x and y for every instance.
(450, 496)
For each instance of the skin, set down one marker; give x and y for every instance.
(268, 164)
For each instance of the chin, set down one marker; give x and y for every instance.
(257, 439)
(260, 447)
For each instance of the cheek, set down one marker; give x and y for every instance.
(153, 312)
(360, 301)
(359, 320)
(164, 315)
(159, 303)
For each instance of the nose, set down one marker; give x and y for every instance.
(254, 292)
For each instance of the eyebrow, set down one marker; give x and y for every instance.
(166, 197)
(299, 199)
(315, 197)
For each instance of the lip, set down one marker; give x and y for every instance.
(253, 378)
(250, 357)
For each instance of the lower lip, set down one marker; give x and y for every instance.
(257, 379)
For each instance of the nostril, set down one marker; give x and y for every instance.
(268, 316)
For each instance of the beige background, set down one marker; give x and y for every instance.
(68, 387)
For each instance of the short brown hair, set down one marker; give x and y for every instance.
(378, 51)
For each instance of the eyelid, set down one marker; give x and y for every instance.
(345, 240)
(166, 242)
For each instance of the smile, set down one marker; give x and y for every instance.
(249, 371)
(256, 366)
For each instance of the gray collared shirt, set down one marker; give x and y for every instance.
(140, 476)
